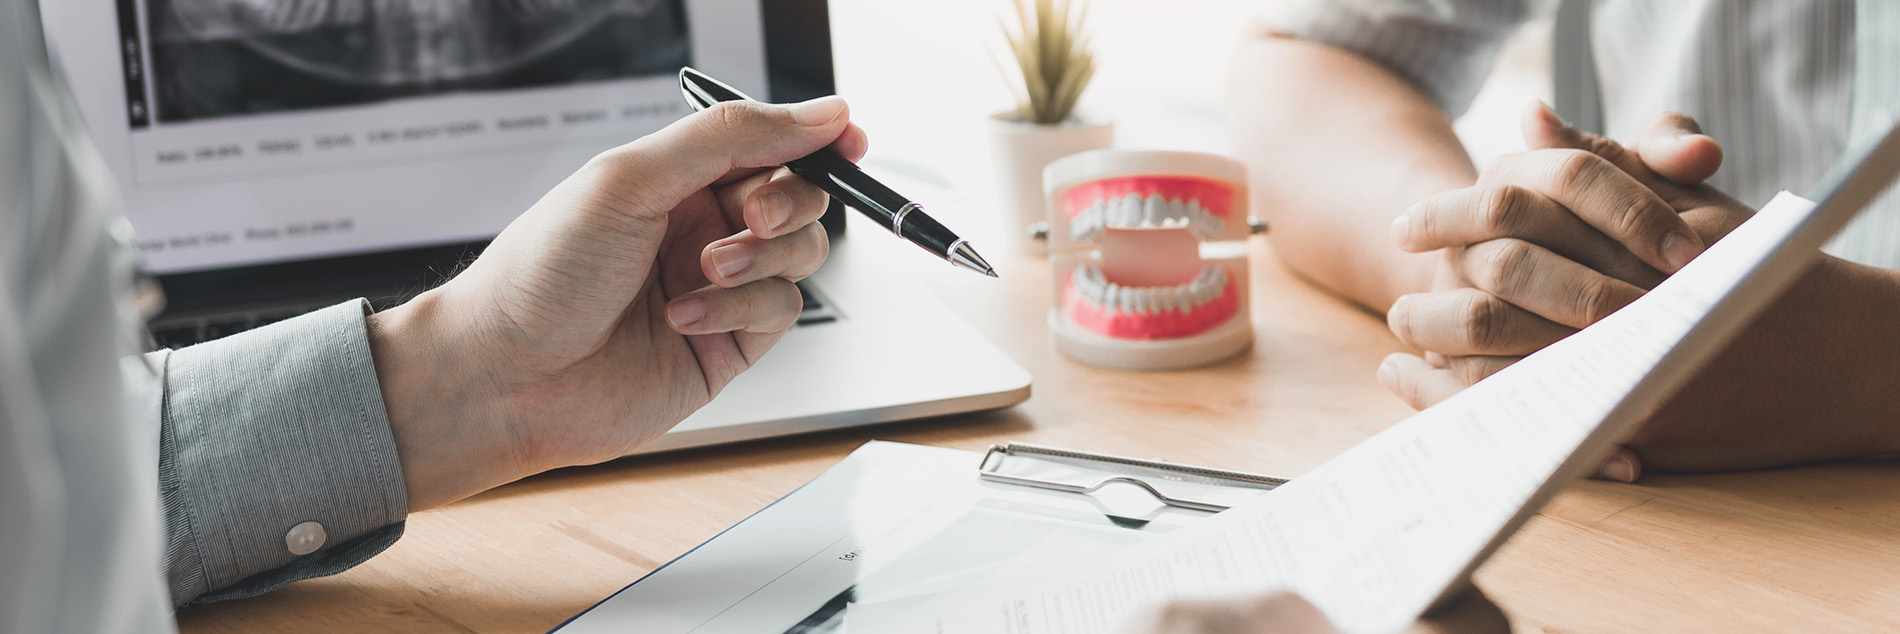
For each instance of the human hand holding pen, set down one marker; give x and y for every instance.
(617, 305)
(840, 176)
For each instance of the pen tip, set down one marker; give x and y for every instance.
(965, 256)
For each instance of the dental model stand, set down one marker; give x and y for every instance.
(1148, 249)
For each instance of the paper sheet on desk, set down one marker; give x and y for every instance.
(1376, 534)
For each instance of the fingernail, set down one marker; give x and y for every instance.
(1389, 375)
(818, 111)
(1684, 137)
(731, 260)
(1402, 231)
(1618, 468)
(1679, 249)
(774, 209)
(686, 312)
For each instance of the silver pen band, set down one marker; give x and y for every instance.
(897, 219)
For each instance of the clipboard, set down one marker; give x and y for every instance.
(1084, 473)
(894, 524)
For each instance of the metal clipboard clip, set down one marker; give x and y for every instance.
(1083, 472)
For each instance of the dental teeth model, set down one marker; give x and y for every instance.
(1128, 231)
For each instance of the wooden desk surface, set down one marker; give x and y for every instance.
(1809, 549)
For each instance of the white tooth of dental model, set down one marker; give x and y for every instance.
(1124, 211)
(1127, 231)
(1153, 210)
(1204, 288)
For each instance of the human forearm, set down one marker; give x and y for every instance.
(1337, 146)
(1813, 378)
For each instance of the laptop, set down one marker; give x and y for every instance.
(280, 157)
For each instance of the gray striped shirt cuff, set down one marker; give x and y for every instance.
(1445, 49)
(267, 430)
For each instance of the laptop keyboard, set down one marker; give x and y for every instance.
(181, 334)
(178, 334)
(816, 311)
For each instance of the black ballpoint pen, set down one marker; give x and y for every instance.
(844, 181)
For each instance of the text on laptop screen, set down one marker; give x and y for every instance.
(252, 131)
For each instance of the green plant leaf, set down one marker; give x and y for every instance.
(1054, 63)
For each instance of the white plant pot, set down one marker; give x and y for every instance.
(1020, 150)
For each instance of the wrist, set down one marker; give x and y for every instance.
(1880, 288)
(1835, 326)
(450, 439)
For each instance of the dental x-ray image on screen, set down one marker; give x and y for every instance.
(221, 58)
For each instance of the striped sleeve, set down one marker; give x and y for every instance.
(1444, 47)
(1873, 238)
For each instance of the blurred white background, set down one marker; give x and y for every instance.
(922, 80)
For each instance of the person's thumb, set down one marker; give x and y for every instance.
(1671, 146)
(1674, 146)
(650, 176)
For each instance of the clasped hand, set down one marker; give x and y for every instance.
(617, 305)
(1550, 241)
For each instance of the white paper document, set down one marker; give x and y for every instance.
(1375, 535)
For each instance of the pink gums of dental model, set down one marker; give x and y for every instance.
(1215, 196)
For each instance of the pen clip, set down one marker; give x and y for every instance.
(702, 91)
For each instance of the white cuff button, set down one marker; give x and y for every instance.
(305, 538)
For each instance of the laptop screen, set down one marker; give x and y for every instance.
(245, 132)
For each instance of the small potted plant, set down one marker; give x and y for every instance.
(1049, 66)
